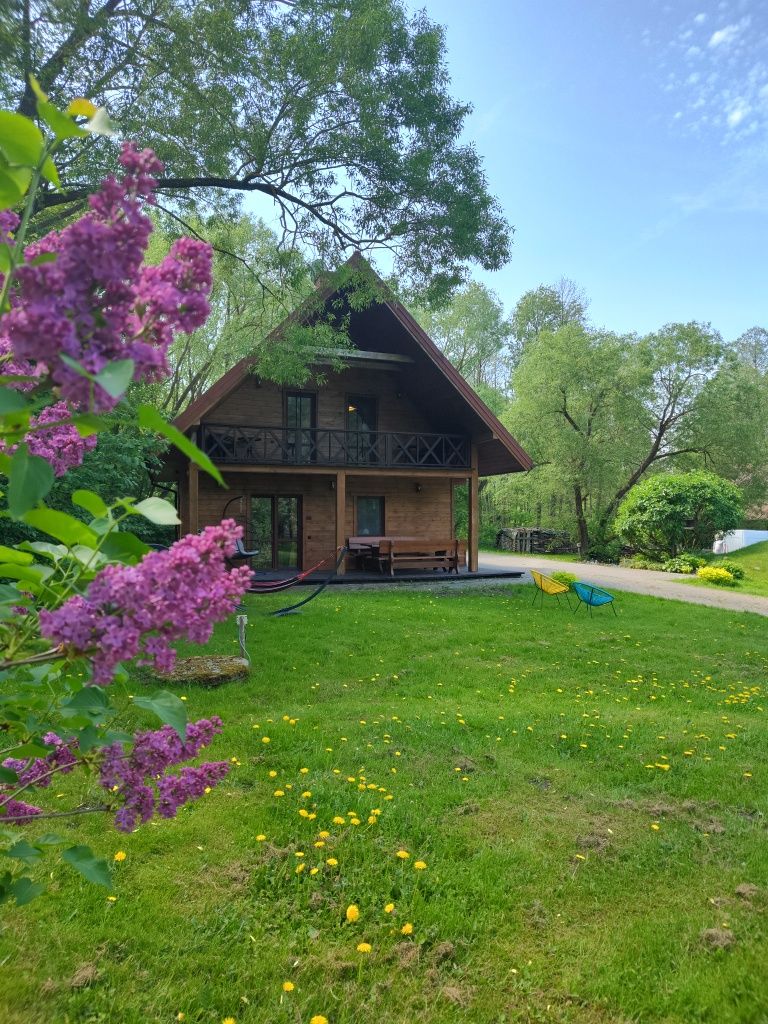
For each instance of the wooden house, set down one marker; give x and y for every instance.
(375, 452)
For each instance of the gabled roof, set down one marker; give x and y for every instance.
(387, 326)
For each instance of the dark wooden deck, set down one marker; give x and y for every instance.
(357, 577)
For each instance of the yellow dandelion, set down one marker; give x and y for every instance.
(300, 868)
(319, 844)
(313, 871)
(288, 986)
(307, 793)
(338, 820)
(273, 774)
(229, 1020)
(364, 947)
(353, 913)
(407, 929)
(403, 854)
(278, 792)
(120, 855)
(655, 826)
(304, 771)
(260, 837)
(318, 1019)
(388, 908)
(298, 853)
(372, 819)
(323, 835)
(420, 865)
(265, 739)
(354, 821)
(332, 862)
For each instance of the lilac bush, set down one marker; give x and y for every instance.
(131, 611)
(81, 317)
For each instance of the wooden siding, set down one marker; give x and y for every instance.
(260, 403)
(426, 512)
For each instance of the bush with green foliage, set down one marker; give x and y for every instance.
(686, 564)
(566, 578)
(670, 513)
(719, 577)
(734, 568)
(641, 562)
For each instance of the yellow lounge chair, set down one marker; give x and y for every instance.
(546, 585)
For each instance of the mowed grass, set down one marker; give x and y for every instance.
(588, 795)
(754, 561)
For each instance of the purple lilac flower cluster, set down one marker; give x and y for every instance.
(138, 778)
(38, 773)
(61, 443)
(131, 611)
(94, 303)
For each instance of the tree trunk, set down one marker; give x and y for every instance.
(581, 520)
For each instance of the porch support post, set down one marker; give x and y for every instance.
(341, 512)
(473, 524)
(193, 522)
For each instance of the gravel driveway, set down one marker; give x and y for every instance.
(639, 581)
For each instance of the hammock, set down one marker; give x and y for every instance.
(276, 586)
(318, 590)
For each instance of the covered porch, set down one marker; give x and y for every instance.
(297, 518)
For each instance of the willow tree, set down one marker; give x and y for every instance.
(336, 116)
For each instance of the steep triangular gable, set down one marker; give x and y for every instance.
(499, 453)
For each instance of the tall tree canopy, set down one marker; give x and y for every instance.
(600, 411)
(547, 308)
(474, 334)
(336, 112)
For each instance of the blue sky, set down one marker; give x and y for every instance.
(626, 141)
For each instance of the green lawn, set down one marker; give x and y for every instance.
(754, 561)
(587, 796)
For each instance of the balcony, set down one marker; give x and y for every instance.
(279, 446)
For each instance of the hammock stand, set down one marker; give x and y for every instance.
(277, 586)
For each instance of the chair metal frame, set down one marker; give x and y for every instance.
(546, 585)
(593, 591)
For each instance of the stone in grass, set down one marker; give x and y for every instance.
(208, 670)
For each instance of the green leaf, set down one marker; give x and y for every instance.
(10, 193)
(115, 377)
(91, 702)
(41, 547)
(91, 867)
(14, 556)
(21, 141)
(88, 737)
(63, 127)
(25, 890)
(151, 419)
(30, 480)
(158, 511)
(9, 594)
(61, 526)
(24, 852)
(28, 573)
(122, 546)
(50, 839)
(51, 174)
(8, 775)
(168, 708)
(91, 502)
(10, 400)
(88, 424)
(43, 257)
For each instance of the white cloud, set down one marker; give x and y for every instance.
(737, 115)
(693, 51)
(700, 18)
(725, 36)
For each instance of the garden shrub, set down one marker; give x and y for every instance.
(566, 578)
(720, 577)
(667, 514)
(686, 564)
(734, 568)
(641, 562)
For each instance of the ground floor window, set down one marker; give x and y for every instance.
(369, 517)
(275, 531)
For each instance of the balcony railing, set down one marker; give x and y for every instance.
(278, 446)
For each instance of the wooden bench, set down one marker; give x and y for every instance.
(425, 553)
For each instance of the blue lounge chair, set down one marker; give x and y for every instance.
(592, 596)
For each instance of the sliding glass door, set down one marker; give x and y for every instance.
(275, 531)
